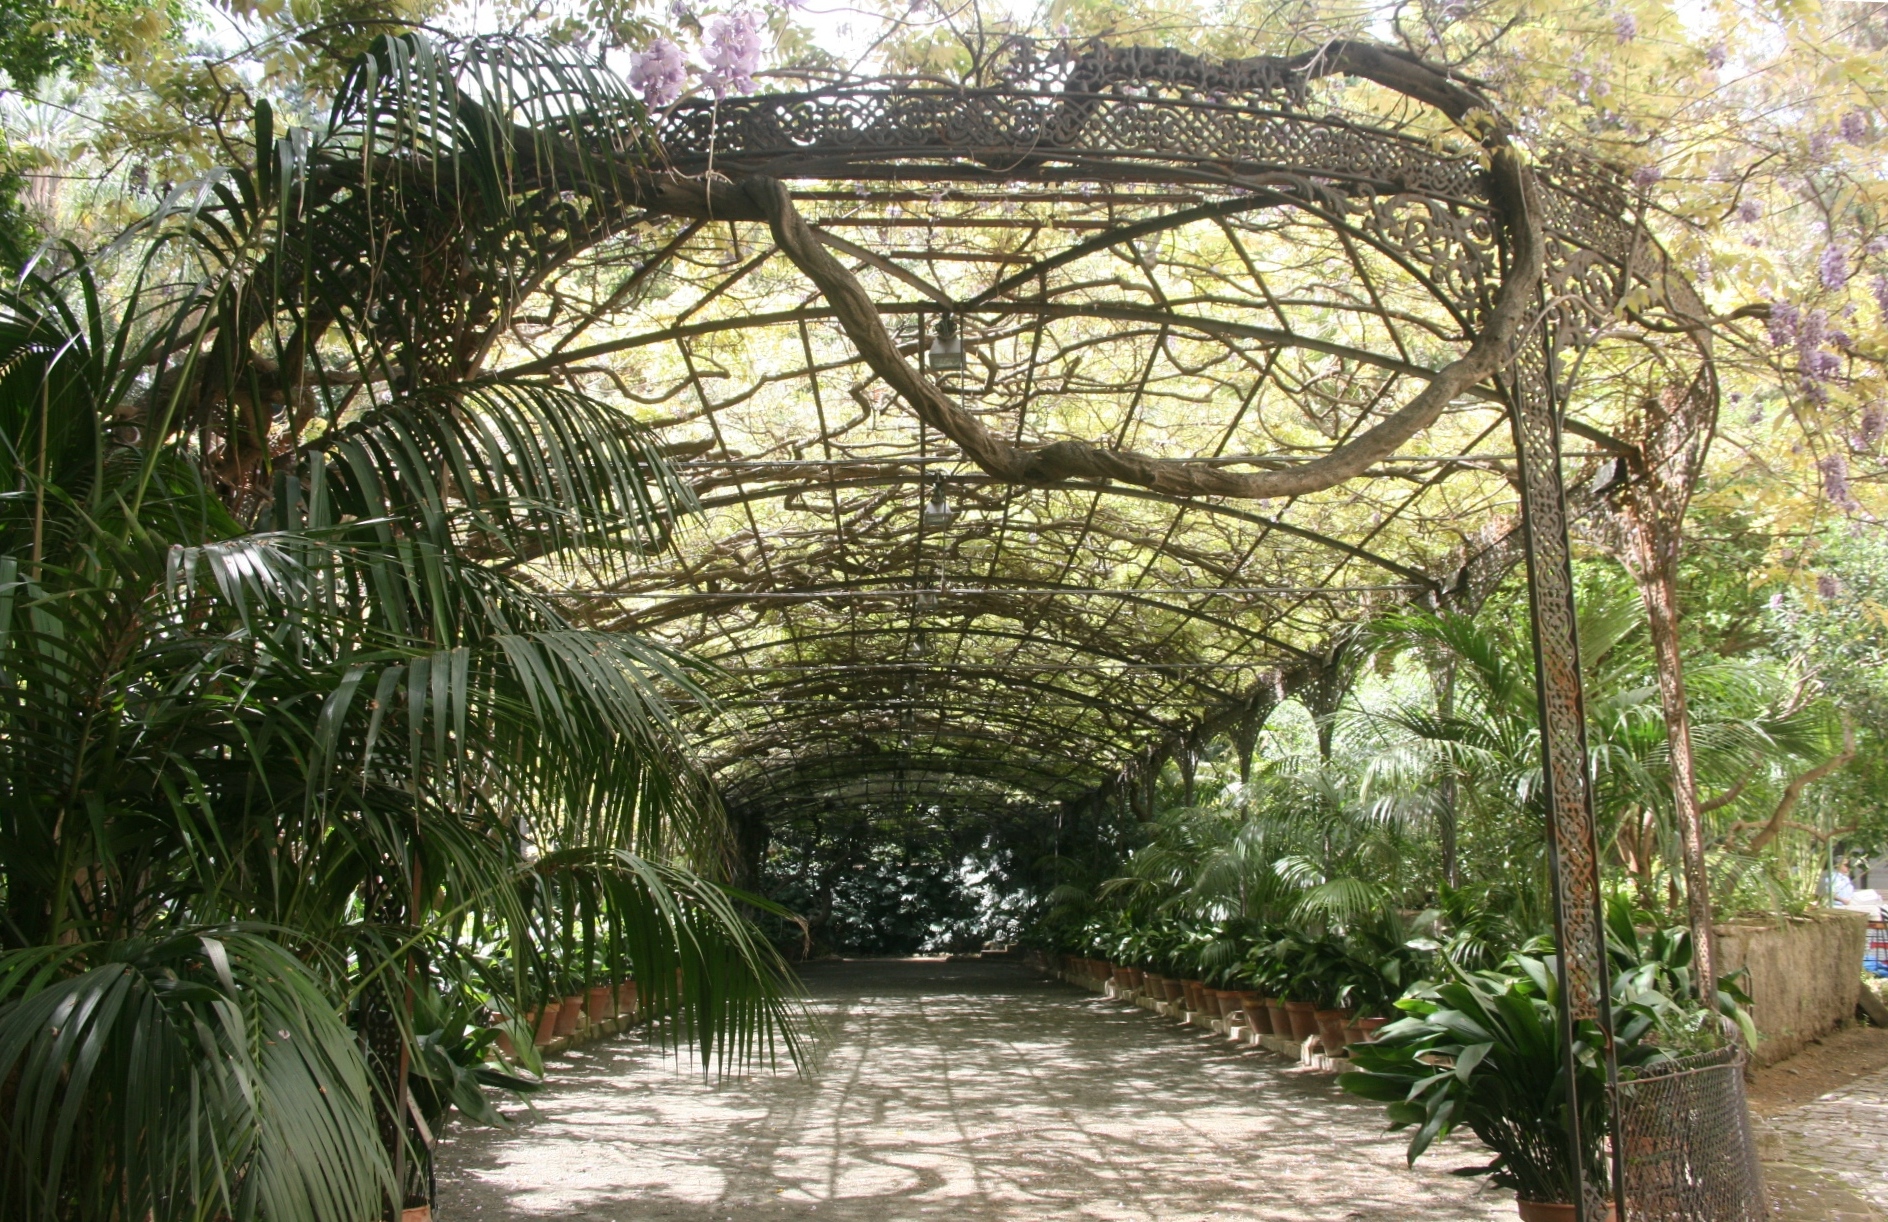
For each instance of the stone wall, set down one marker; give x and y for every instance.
(1805, 975)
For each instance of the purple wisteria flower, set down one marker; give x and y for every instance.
(1819, 146)
(1625, 27)
(1874, 423)
(658, 72)
(1835, 480)
(732, 49)
(1812, 328)
(1646, 177)
(1783, 319)
(1854, 127)
(1748, 211)
(1881, 295)
(1716, 55)
(1820, 364)
(1827, 586)
(1833, 268)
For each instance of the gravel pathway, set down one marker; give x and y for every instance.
(964, 1091)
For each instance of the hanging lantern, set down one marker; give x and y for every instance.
(937, 510)
(947, 350)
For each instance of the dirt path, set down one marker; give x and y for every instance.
(961, 1091)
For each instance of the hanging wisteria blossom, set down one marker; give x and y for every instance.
(1854, 127)
(1811, 329)
(1646, 177)
(1874, 423)
(659, 72)
(1833, 268)
(1748, 211)
(1625, 27)
(1783, 319)
(1827, 586)
(1835, 480)
(732, 49)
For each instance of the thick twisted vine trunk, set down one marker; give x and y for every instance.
(1064, 461)
(1653, 559)
(1511, 192)
(1643, 525)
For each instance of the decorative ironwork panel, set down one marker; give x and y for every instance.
(999, 132)
(1687, 1142)
(1575, 846)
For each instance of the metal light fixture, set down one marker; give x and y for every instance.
(947, 350)
(937, 510)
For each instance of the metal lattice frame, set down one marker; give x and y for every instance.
(1246, 340)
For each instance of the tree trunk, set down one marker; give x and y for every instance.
(1654, 566)
(1442, 674)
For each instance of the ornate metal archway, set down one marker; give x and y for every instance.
(1252, 332)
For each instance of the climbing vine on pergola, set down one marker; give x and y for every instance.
(1251, 351)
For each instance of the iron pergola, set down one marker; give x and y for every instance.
(1051, 420)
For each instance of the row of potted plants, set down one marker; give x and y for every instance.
(561, 1017)
(1336, 1026)
(1284, 981)
(1445, 1047)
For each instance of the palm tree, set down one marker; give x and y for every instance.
(1745, 719)
(301, 762)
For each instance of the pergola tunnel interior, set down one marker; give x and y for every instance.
(1054, 431)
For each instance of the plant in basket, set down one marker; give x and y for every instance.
(1484, 1052)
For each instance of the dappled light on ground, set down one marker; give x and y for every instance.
(958, 1090)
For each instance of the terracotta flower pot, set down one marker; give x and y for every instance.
(1304, 1019)
(602, 1003)
(1281, 1018)
(1152, 986)
(1331, 1025)
(1370, 1026)
(1548, 1211)
(417, 1213)
(1353, 1033)
(1258, 1015)
(1135, 977)
(507, 1047)
(626, 998)
(1228, 1003)
(547, 1023)
(570, 1015)
(1121, 981)
(1176, 990)
(1196, 995)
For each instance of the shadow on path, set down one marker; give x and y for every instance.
(956, 1090)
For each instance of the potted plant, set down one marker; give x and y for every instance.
(1390, 955)
(1298, 969)
(1271, 976)
(1485, 1051)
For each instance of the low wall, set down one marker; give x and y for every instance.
(1805, 975)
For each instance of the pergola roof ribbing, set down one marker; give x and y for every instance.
(1208, 267)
